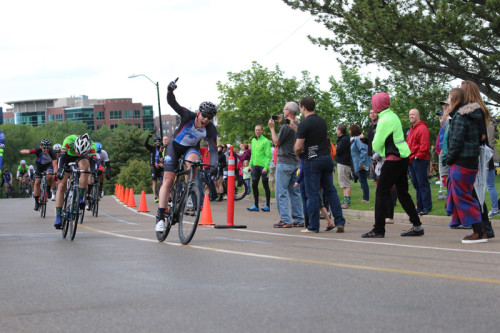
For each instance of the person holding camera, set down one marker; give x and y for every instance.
(287, 165)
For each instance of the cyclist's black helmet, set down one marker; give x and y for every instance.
(45, 143)
(208, 108)
(5, 170)
(157, 139)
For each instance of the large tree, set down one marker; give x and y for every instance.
(451, 38)
(251, 97)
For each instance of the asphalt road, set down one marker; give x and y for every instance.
(116, 277)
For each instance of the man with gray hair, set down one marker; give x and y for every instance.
(287, 165)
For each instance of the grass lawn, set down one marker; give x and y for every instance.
(357, 195)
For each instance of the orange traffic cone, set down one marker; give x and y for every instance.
(125, 202)
(122, 194)
(206, 213)
(131, 199)
(116, 189)
(143, 207)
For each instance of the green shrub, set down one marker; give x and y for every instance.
(137, 175)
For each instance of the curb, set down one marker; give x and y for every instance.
(398, 217)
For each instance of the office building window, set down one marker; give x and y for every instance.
(115, 114)
(59, 118)
(137, 114)
(100, 115)
(112, 126)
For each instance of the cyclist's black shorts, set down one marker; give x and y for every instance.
(156, 173)
(40, 168)
(174, 152)
(77, 160)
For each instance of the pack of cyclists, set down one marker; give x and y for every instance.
(90, 156)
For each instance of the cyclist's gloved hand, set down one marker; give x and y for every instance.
(172, 85)
(108, 174)
(60, 174)
(150, 135)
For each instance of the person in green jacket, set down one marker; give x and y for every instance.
(390, 142)
(260, 159)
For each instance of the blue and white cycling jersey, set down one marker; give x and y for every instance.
(189, 135)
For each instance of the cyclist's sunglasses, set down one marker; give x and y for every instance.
(209, 117)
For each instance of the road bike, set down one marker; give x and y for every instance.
(43, 195)
(185, 205)
(71, 212)
(96, 194)
(24, 190)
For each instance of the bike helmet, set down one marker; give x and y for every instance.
(82, 144)
(157, 139)
(57, 147)
(208, 108)
(98, 147)
(31, 167)
(5, 170)
(45, 143)
(23, 162)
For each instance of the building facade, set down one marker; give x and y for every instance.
(94, 112)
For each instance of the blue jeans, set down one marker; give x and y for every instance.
(419, 169)
(249, 187)
(362, 175)
(490, 184)
(286, 175)
(318, 172)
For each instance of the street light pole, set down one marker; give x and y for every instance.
(158, 95)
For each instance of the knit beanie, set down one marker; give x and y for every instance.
(381, 102)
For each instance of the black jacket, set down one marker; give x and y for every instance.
(343, 150)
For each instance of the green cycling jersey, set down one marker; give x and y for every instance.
(68, 146)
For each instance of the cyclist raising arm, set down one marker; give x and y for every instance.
(46, 160)
(194, 127)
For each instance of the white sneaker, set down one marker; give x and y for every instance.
(493, 213)
(160, 226)
(102, 194)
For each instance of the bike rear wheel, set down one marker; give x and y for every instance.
(189, 213)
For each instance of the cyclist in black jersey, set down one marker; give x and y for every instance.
(194, 127)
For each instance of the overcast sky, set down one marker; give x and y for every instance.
(53, 48)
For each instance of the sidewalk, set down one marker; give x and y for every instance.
(364, 215)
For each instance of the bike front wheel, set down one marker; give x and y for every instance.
(161, 236)
(43, 202)
(65, 214)
(189, 214)
(75, 214)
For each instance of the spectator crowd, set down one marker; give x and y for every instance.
(297, 163)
